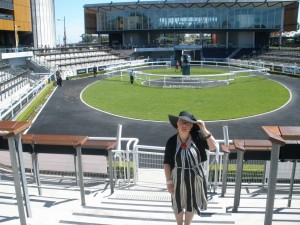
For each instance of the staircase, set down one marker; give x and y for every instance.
(60, 204)
(142, 207)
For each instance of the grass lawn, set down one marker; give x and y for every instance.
(244, 97)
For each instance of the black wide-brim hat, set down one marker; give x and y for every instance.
(187, 116)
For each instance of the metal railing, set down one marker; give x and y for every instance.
(17, 105)
(184, 81)
(151, 158)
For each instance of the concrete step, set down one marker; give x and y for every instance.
(140, 205)
(135, 207)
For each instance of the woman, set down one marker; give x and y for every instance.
(184, 175)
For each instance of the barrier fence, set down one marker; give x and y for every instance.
(184, 81)
(8, 112)
(131, 163)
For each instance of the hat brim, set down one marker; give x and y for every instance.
(173, 120)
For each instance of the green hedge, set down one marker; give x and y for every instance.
(251, 173)
(30, 112)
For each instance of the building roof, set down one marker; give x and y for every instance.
(140, 4)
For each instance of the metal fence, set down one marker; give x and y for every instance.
(143, 164)
(186, 81)
(16, 105)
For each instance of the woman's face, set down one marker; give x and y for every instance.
(184, 126)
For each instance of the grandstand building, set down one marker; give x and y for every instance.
(15, 23)
(230, 24)
(43, 23)
(27, 23)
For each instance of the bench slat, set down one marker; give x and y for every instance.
(45, 139)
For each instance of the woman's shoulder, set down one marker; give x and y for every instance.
(197, 136)
(172, 138)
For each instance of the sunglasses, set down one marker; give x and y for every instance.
(183, 122)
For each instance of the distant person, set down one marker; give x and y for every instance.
(59, 77)
(176, 66)
(95, 71)
(131, 75)
(185, 178)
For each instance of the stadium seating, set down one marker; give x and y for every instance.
(281, 56)
(78, 59)
(12, 81)
(245, 53)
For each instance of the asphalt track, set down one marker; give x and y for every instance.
(66, 114)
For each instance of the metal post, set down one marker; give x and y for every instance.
(76, 174)
(216, 171)
(225, 161)
(206, 166)
(238, 180)
(111, 181)
(135, 164)
(22, 173)
(17, 36)
(272, 183)
(264, 176)
(225, 172)
(292, 183)
(65, 36)
(16, 177)
(80, 175)
(37, 172)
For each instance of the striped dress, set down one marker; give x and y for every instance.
(188, 179)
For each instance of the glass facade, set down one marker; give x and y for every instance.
(190, 18)
(6, 4)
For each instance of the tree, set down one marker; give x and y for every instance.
(88, 38)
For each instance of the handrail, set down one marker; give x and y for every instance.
(226, 77)
(113, 139)
(25, 98)
(159, 150)
(150, 147)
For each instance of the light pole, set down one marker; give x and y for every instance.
(65, 36)
(58, 40)
(17, 37)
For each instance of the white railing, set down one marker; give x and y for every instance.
(11, 111)
(184, 81)
(151, 157)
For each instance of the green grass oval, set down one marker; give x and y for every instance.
(245, 97)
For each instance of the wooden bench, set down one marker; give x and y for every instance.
(254, 150)
(280, 137)
(248, 150)
(96, 147)
(78, 146)
(243, 150)
(10, 140)
(60, 144)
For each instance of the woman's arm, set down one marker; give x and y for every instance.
(170, 185)
(211, 141)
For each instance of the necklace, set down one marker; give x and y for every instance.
(183, 144)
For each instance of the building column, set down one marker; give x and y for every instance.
(226, 39)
